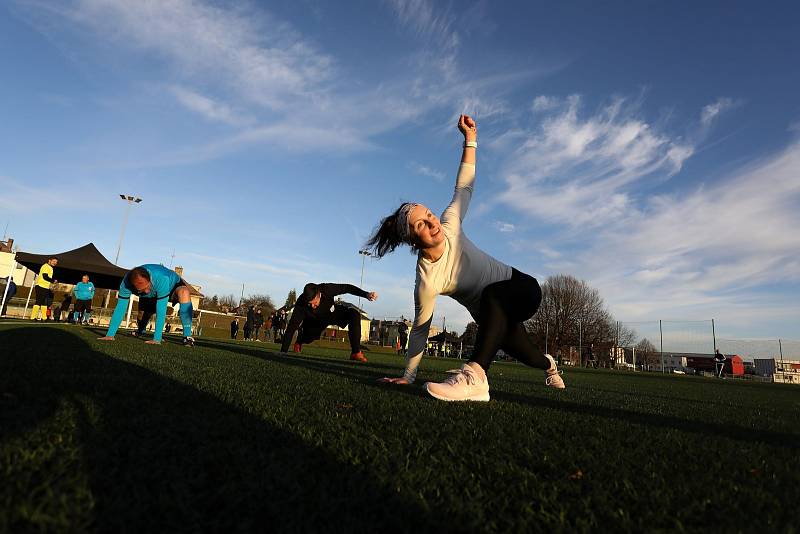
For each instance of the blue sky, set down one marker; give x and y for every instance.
(651, 148)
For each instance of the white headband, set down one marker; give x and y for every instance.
(403, 228)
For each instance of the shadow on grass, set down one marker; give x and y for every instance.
(738, 433)
(162, 456)
(366, 373)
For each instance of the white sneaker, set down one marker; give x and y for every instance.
(553, 375)
(468, 384)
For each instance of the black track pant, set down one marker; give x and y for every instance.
(341, 316)
(504, 307)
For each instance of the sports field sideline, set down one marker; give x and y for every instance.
(230, 436)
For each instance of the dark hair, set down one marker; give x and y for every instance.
(139, 272)
(309, 292)
(52, 258)
(385, 238)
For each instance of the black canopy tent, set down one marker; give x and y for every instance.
(73, 264)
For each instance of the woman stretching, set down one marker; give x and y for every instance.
(497, 296)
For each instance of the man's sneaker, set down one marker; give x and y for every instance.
(553, 375)
(468, 384)
(136, 333)
(188, 341)
(359, 357)
(298, 347)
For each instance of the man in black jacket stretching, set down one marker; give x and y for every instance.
(315, 310)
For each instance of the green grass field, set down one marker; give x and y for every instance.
(230, 436)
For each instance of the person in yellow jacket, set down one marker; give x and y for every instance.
(43, 293)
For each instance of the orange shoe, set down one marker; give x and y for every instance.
(298, 347)
(358, 356)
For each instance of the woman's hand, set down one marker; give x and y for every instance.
(395, 380)
(106, 338)
(152, 342)
(468, 127)
(372, 297)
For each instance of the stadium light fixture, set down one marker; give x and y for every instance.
(364, 253)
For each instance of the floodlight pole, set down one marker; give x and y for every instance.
(714, 335)
(364, 253)
(661, 335)
(131, 200)
(546, 333)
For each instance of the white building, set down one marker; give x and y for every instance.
(781, 371)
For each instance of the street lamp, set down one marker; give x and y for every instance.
(364, 253)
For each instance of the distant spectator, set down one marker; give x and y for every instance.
(258, 322)
(402, 331)
(234, 328)
(558, 356)
(44, 296)
(167, 328)
(84, 293)
(591, 360)
(12, 290)
(719, 363)
(268, 328)
(248, 328)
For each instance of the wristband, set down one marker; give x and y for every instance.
(470, 144)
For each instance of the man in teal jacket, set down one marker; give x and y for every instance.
(84, 293)
(156, 286)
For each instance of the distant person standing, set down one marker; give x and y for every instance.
(234, 328)
(402, 331)
(258, 322)
(84, 293)
(591, 360)
(10, 292)
(248, 329)
(276, 326)
(268, 328)
(719, 363)
(44, 296)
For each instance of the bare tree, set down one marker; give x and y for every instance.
(470, 334)
(647, 353)
(569, 308)
(291, 298)
(259, 301)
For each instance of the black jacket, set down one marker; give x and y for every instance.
(323, 313)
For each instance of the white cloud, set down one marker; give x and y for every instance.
(710, 252)
(544, 103)
(579, 171)
(424, 170)
(421, 16)
(710, 112)
(504, 226)
(207, 107)
(204, 42)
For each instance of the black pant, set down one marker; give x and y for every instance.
(504, 307)
(341, 316)
(256, 329)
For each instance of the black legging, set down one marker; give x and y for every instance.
(504, 307)
(341, 316)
